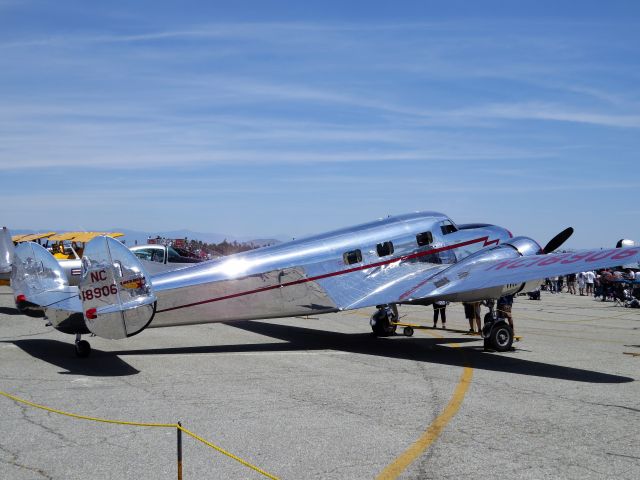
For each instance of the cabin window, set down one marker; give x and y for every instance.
(354, 256)
(384, 249)
(448, 227)
(424, 238)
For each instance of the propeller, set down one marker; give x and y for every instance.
(558, 240)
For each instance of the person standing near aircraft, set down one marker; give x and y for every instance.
(441, 308)
(472, 313)
(504, 308)
(571, 283)
(581, 283)
(589, 278)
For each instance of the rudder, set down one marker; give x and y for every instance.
(117, 298)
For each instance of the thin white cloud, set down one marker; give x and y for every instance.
(542, 111)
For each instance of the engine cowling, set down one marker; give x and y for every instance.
(524, 245)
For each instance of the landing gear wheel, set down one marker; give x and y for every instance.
(501, 337)
(83, 348)
(381, 321)
(408, 331)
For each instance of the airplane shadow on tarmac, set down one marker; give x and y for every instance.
(9, 311)
(61, 354)
(430, 350)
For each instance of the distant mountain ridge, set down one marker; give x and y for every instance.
(137, 237)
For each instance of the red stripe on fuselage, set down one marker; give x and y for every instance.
(340, 272)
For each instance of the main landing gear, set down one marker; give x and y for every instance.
(83, 348)
(383, 320)
(497, 334)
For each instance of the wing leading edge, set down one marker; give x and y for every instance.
(479, 276)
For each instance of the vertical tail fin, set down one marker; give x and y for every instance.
(6, 252)
(117, 298)
(37, 279)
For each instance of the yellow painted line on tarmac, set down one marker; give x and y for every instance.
(399, 465)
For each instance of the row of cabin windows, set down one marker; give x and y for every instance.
(385, 249)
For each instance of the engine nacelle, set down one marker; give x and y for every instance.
(625, 243)
(524, 245)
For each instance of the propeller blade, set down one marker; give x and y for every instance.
(558, 240)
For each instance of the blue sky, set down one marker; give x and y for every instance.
(290, 118)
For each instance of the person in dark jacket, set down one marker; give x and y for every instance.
(504, 309)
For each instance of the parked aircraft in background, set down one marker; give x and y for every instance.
(410, 259)
(32, 237)
(66, 247)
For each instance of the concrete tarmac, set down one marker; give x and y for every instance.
(321, 398)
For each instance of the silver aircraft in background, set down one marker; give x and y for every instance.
(417, 258)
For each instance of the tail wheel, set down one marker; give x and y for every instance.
(501, 337)
(83, 348)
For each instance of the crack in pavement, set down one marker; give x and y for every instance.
(13, 461)
(23, 411)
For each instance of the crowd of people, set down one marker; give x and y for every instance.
(622, 285)
(472, 312)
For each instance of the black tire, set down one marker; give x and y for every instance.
(408, 331)
(501, 337)
(381, 325)
(83, 349)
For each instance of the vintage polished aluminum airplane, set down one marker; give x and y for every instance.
(410, 259)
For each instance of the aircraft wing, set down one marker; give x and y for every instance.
(462, 277)
(65, 299)
(376, 285)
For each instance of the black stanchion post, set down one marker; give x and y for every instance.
(179, 431)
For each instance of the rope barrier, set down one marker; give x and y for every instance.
(228, 454)
(178, 426)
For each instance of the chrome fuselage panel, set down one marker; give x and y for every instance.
(284, 280)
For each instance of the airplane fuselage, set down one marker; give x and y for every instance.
(289, 279)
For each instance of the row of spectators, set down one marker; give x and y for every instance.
(622, 285)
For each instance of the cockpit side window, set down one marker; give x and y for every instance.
(447, 227)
